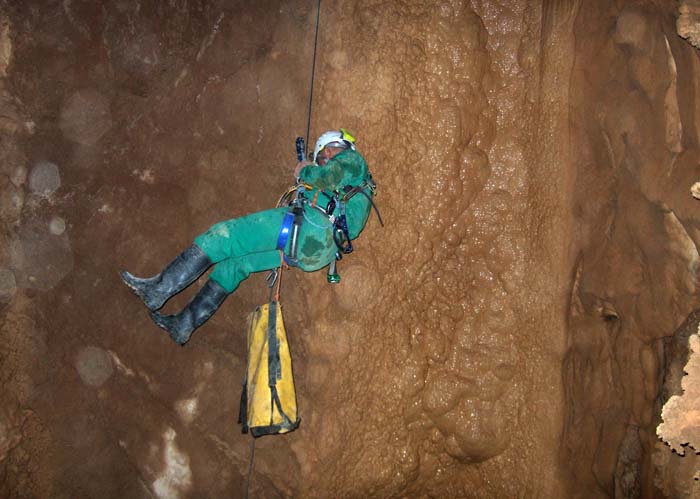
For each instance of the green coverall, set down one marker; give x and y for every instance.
(241, 246)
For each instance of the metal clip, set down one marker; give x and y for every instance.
(333, 276)
(271, 278)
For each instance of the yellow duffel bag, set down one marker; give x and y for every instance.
(268, 401)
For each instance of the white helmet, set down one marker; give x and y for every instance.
(334, 138)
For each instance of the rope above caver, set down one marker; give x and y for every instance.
(313, 71)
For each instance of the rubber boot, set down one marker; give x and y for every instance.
(180, 273)
(195, 313)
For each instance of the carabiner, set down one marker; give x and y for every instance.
(271, 278)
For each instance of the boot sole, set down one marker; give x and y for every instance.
(124, 276)
(155, 316)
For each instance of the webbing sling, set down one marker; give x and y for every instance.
(274, 366)
(349, 193)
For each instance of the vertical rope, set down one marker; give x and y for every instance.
(276, 294)
(279, 282)
(250, 467)
(313, 71)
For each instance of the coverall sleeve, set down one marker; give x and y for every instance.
(341, 170)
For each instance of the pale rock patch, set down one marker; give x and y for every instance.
(175, 480)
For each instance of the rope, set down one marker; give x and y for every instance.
(313, 71)
(278, 283)
(250, 467)
(276, 293)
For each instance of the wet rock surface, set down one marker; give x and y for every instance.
(507, 334)
(44, 257)
(8, 285)
(85, 117)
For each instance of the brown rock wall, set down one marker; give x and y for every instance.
(505, 335)
(451, 363)
(636, 282)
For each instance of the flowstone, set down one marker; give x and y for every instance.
(681, 414)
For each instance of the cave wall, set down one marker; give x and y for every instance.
(502, 336)
(635, 139)
(156, 119)
(456, 338)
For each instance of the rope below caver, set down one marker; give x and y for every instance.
(278, 277)
(250, 467)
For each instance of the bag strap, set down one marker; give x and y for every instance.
(274, 364)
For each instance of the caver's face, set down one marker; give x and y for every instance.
(327, 154)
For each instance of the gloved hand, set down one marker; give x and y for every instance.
(300, 165)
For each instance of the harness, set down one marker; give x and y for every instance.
(290, 227)
(294, 218)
